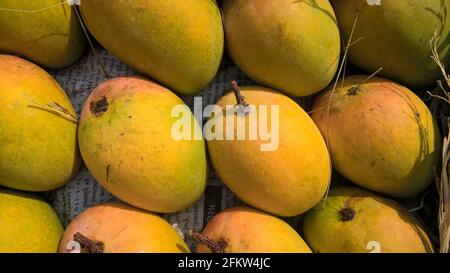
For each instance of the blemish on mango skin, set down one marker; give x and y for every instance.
(346, 214)
(99, 107)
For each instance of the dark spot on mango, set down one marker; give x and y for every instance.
(353, 91)
(130, 116)
(99, 107)
(346, 214)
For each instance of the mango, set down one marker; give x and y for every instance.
(285, 175)
(381, 136)
(28, 224)
(178, 43)
(126, 141)
(246, 230)
(354, 220)
(38, 128)
(291, 46)
(119, 228)
(396, 36)
(46, 32)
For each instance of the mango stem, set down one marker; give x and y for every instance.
(215, 247)
(237, 93)
(91, 246)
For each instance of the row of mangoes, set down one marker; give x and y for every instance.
(380, 134)
(291, 46)
(351, 220)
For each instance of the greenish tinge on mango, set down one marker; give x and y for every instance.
(27, 224)
(291, 46)
(353, 220)
(38, 144)
(46, 32)
(396, 36)
(178, 43)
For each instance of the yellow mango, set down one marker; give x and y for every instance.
(126, 141)
(381, 135)
(178, 43)
(120, 228)
(44, 31)
(28, 224)
(354, 220)
(246, 230)
(291, 46)
(287, 179)
(38, 128)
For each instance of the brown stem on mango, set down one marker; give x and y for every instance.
(91, 246)
(237, 93)
(215, 247)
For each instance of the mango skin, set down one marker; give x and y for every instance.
(130, 151)
(383, 138)
(38, 148)
(376, 219)
(291, 46)
(246, 230)
(28, 224)
(286, 182)
(124, 229)
(396, 36)
(51, 37)
(178, 43)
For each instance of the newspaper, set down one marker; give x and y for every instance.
(83, 191)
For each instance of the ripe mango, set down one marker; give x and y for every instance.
(119, 228)
(46, 32)
(246, 230)
(28, 224)
(291, 46)
(38, 128)
(178, 43)
(287, 180)
(381, 135)
(126, 141)
(355, 220)
(396, 36)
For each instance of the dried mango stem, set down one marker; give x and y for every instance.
(237, 92)
(91, 246)
(215, 247)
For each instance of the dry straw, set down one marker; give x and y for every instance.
(441, 97)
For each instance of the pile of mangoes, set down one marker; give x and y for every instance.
(371, 127)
